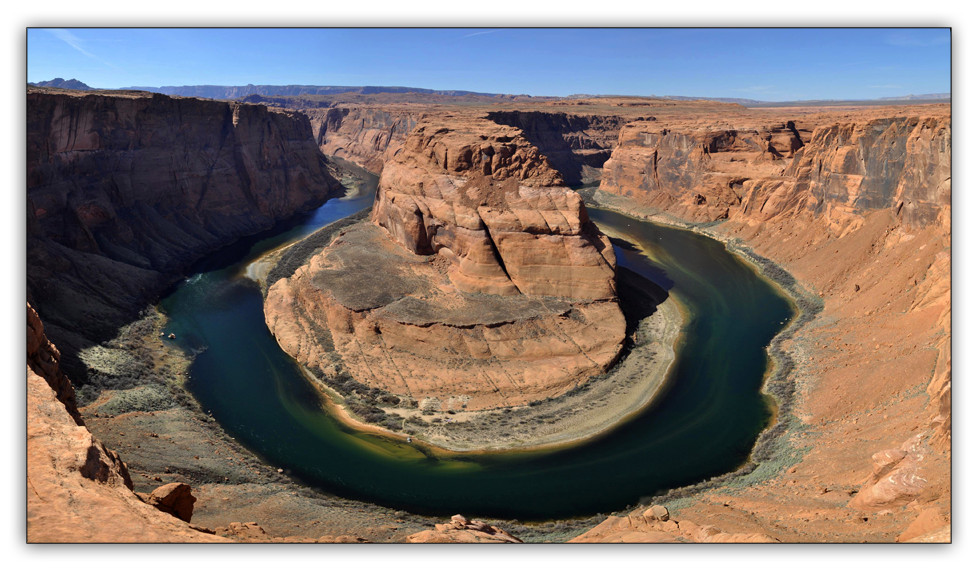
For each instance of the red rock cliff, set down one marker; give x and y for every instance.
(482, 195)
(126, 189)
(79, 491)
(366, 136)
(859, 214)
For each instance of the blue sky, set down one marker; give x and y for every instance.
(766, 64)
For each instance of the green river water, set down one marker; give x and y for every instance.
(704, 425)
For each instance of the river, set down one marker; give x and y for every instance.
(704, 425)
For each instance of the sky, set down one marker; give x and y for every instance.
(770, 64)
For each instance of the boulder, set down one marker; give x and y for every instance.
(176, 499)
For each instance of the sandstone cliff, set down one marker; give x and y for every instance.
(489, 288)
(859, 212)
(126, 189)
(697, 171)
(576, 145)
(79, 491)
(481, 194)
(367, 136)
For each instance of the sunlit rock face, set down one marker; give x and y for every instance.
(479, 279)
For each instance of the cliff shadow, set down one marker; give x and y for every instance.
(563, 139)
(639, 297)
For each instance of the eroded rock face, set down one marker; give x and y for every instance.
(481, 195)
(480, 283)
(697, 171)
(124, 190)
(576, 145)
(367, 136)
(835, 166)
(860, 215)
(79, 491)
(45, 360)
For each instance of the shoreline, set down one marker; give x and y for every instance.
(665, 325)
(165, 435)
(778, 387)
(595, 407)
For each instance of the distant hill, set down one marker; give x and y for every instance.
(63, 84)
(924, 97)
(738, 100)
(238, 91)
(928, 98)
(306, 94)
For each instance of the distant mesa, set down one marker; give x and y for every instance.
(62, 83)
(238, 91)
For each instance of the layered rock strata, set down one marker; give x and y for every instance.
(860, 216)
(367, 136)
(576, 145)
(126, 189)
(697, 171)
(479, 283)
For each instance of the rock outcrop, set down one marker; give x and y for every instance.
(176, 499)
(482, 195)
(461, 530)
(79, 491)
(654, 525)
(490, 287)
(126, 189)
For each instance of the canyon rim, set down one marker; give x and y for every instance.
(468, 288)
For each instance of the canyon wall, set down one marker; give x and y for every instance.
(364, 135)
(576, 145)
(819, 165)
(697, 171)
(857, 208)
(125, 190)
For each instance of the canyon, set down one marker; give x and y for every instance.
(849, 206)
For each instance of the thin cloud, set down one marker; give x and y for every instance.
(72, 40)
(480, 33)
(76, 43)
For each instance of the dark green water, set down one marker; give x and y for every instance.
(704, 426)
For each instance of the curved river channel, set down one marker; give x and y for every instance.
(704, 425)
